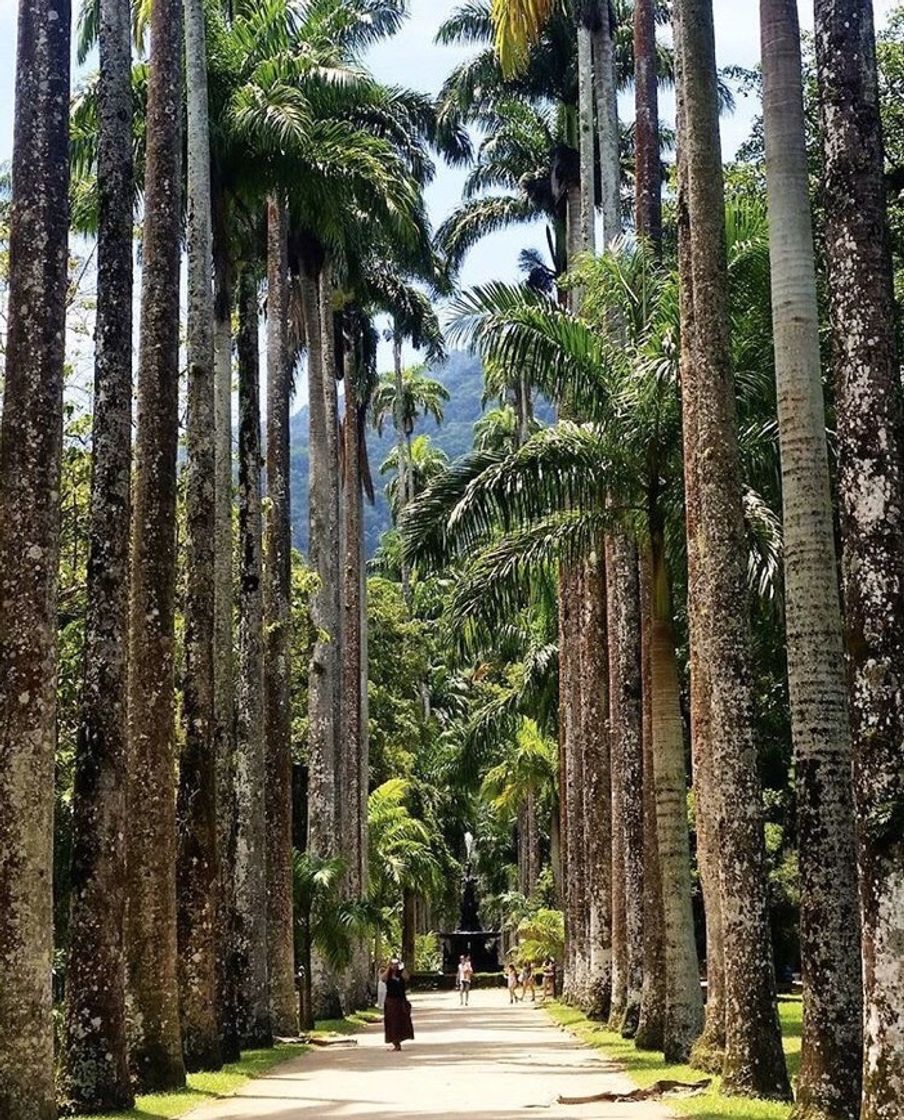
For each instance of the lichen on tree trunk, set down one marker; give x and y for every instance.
(95, 1074)
(277, 631)
(152, 953)
(250, 767)
(30, 454)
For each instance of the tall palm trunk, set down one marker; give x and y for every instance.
(647, 168)
(277, 628)
(197, 870)
(754, 1061)
(321, 734)
(333, 567)
(250, 750)
(871, 452)
(153, 989)
(614, 575)
(648, 222)
(829, 1081)
(96, 1056)
(684, 1000)
(30, 454)
(597, 803)
(651, 1022)
(627, 689)
(353, 803)
(607, 121)
(228, 997)
(709, 1050)
(323, 818)
(403, 468)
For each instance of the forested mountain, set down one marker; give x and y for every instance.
(463, 377)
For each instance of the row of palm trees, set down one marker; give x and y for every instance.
(302, 171)
(649, 467)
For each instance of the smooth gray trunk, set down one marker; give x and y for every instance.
(828, 1086)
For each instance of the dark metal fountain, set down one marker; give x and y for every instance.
(483, 946)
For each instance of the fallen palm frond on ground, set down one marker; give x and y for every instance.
(654, 1092)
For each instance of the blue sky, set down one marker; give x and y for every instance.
(413, 59)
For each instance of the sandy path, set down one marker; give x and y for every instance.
(486, 1062)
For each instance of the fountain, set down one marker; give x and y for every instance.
(483, 946)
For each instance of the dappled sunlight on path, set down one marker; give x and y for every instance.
(488, 1061)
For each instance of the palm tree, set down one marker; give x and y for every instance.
(278, 638)
(30, 455)
(650, 1034)
(754, 1061)
(524, 778)
(325, 922)
(96, 1057)
(647, 169)
(424, 462)
(632, 388)
(156, 1045)
(250, 869)
(403, 857)
(406, 397)
(870, 410)
(197, 869)
(829, 1080)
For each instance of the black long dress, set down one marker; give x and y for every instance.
(397, 1025)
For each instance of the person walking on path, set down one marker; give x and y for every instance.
(528, 983)
(465, 976)
(397, 1025)
(512, 981)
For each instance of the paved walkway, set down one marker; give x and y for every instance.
(485, 1062)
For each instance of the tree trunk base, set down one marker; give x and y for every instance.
(708, 1054)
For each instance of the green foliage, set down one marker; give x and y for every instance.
(324, 920)
(542, 935)
(428, 956)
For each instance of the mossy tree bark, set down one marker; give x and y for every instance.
(30, 455)
(250, 768)
(278, 636)
(754, 1060)
(224, 660)
(650, 1033)
(197, 868)
(871, 488)
(597, 804)
(96, 1071)
(152, 955)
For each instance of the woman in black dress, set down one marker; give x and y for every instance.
(397, 1026)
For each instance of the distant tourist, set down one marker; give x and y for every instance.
(465, 976)
(397, 1027)
(381, 985)
(528, 982)
(512, 982)
(550, 978)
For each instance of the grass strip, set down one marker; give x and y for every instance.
(204, 1087)
(645, 1066)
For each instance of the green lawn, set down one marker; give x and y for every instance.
(645, 1067)
(208, 1086)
